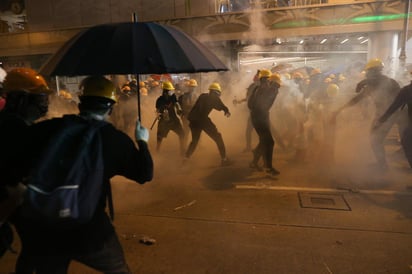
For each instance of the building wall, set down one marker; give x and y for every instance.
(60, 14)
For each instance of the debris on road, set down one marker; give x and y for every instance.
(146, 240)
(186, 205)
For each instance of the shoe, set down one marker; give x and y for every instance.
(254, 165)
(271, 171)
(226, 162)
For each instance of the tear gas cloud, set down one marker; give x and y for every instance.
(302, 124)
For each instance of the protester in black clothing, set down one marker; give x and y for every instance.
(27, 100)
(94, 243)
(200, 121)
(259, 103)
(404, 98)
(187, 100)
(383, 91)
(249, 126)
(168, 110)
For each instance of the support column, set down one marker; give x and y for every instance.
(384, 45)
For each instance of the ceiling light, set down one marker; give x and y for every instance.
(301, 42)
(323, 41)
(360, 37)
(344, 41)
(364, 41)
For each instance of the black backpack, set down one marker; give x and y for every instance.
(66, 186)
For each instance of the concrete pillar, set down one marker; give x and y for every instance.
(384, 45)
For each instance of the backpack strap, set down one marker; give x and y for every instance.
(110, 201)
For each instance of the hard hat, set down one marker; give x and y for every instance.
(167, 85)
(332, 90)
(275, 77)
(25, 79)
(297, 75)
(192, 83)
(142, 84)
(155, 84)
(327, 80)
(215, 86)
(315, 71)
(98, 86)
(374, 63)
(126, 88)
(286, 76)
(143, 91)
(264, 73)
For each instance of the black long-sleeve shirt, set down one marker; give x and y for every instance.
(204, 105)
(120, 157)
(404, 98)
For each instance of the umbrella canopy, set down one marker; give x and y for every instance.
(131, 48)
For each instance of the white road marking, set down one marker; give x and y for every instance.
(318, 189)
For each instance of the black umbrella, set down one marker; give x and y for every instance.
(131, 48)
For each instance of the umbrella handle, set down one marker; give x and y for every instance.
(139, 114)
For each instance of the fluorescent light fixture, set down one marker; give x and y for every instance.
(364, 41)
(344, 41)
(301, 42)
(323, 41)
(360, 37)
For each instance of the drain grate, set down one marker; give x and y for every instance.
(323, 201)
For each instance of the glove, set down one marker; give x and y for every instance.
(360, 86)
(141, 133)
(227, 114)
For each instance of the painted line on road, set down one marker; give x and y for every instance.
(330, 190)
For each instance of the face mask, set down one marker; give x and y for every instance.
(170, 92)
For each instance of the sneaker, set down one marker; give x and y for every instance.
(271, 171)
(226, 162)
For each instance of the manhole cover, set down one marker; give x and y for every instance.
(323, 201)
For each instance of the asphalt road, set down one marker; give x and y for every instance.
(316, 217)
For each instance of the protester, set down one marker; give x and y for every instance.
(404, 98)
(27, 100)
(383, 91)
(259, 103)
(249, 126)
(200, 121)
(187, 101)
(50, 249)
(168, 110)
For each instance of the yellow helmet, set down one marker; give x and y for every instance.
(264, 73)
(167, 85)
(275, 77)
(374, 63)
(327, 80)
(143, 91)
(25, 79)
(315, 71)
(297, 75)
(332, 90)
(142, 84)
(215, 86)
(98, 86)
(286, 76)
(192, 83)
